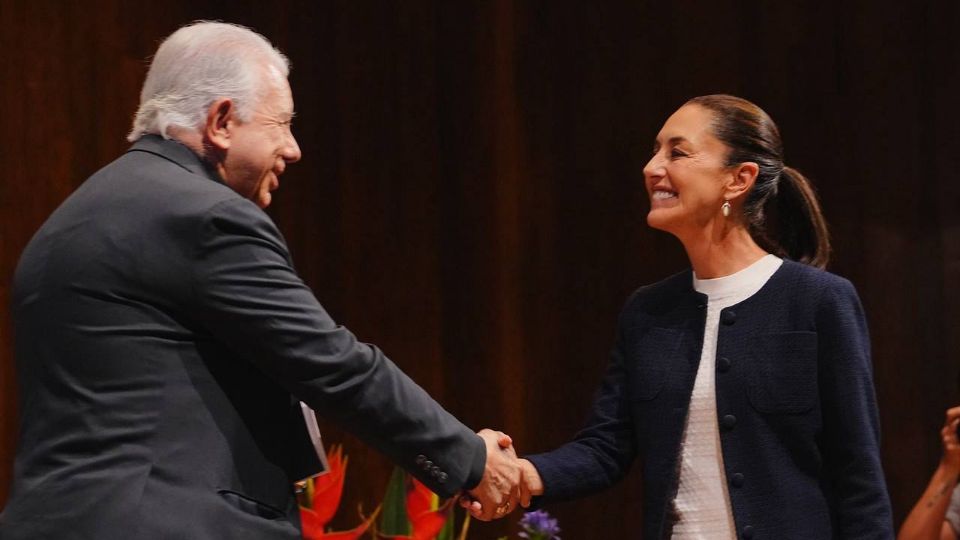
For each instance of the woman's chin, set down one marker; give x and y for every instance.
(659, 219)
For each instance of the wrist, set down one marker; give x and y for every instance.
(532, 477)
(478, 466)
(950, 469)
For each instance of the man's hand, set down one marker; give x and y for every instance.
(499, 489)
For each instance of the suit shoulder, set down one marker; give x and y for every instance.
(809, 278)
(156, 176)
(661, 293)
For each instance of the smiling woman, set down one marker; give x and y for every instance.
(722, 152)
(744, 384)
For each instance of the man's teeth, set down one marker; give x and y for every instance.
(663, 194)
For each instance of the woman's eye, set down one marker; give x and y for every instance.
(677, 153)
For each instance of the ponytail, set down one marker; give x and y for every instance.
(801, 230)
(781, 211)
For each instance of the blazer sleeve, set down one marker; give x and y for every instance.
(855, 485)
(602, 452)
(249, 297)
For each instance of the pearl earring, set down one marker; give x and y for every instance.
(725, 209)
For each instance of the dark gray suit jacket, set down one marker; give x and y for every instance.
(163, 339)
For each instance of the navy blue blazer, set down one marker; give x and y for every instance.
(163, 339)
(795, 403)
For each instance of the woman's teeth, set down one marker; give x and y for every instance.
(663, 194)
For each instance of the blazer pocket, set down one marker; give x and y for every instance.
(783, 376)
(251, 506)
(653, 354)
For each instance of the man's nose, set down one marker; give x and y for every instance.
(291, 152)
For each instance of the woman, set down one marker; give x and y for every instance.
(937, 513)
(743, 385)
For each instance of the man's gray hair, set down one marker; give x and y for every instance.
(198, 64)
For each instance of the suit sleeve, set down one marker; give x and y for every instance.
(250, 298)
(602, 452)
(855, 485)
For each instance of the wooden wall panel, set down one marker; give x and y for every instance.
(470, 197)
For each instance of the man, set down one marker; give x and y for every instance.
(163, 339)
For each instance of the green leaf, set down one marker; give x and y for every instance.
(446, 533)
(393, 519)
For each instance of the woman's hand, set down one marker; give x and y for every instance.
(530, 483)
(950, 460)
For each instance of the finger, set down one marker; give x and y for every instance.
(953, 414)
(525, 495)
(504, 440)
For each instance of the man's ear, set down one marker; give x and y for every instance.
(741, 180)
(220, 117)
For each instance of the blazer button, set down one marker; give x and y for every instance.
(747, 532)
(728, 318)
(723, 364)
(729, 421)
(736, 480)
(427, 465)
(442, 477)
(421, 459)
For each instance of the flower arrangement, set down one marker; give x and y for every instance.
(319, 498)
(409, 511)
(539, 525)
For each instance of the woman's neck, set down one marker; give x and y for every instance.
(718, 253)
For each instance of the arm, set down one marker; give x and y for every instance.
(600, 454)
(853, 476)
(248, 297)
(927, 520)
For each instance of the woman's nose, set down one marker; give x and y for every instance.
(654, 167)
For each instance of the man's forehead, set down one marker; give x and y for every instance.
(279, 98)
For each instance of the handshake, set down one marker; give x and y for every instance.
(507, 480)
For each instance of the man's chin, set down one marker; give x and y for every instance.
(264, 200)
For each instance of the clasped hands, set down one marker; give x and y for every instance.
(507, 480)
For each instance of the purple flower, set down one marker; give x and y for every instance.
(539, 526)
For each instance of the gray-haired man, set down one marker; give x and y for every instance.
(163, 339)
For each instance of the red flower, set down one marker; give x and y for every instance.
(426, 521)
(323, 493)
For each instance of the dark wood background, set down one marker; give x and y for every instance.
(470, 195)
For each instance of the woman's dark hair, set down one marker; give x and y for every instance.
(781, 211)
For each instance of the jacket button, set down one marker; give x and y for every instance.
(736, 479)
(421, 459)
(747, 532)
(427, 465)
(442, 477)
(723, 364)
(728, 317)
(729, 421)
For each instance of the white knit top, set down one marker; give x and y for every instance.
(703, 502)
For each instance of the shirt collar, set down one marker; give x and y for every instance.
(176, 152)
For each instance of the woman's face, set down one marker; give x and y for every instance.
(686, 177)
